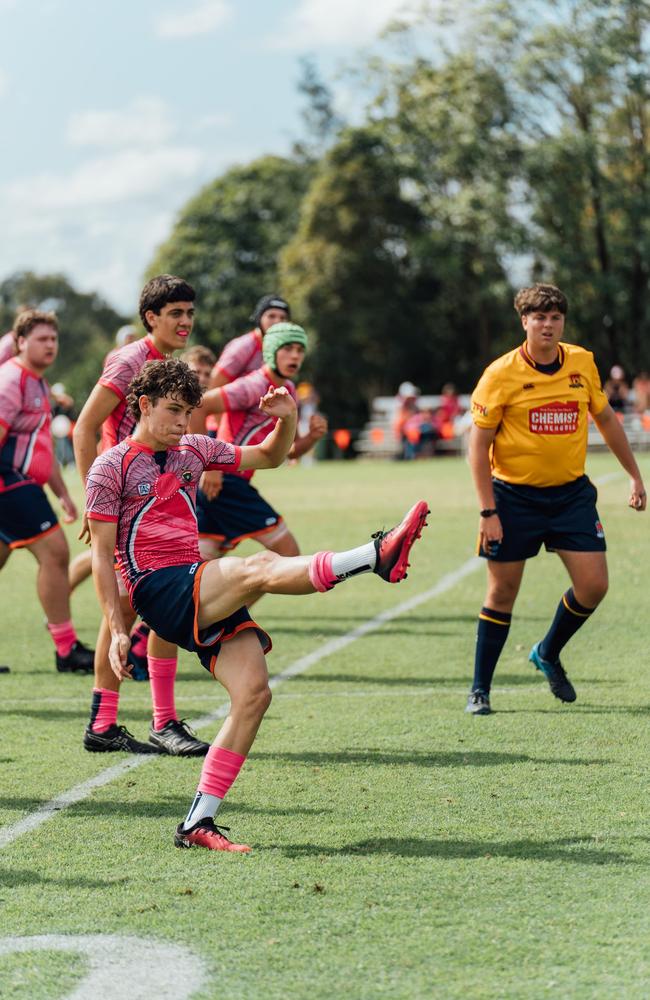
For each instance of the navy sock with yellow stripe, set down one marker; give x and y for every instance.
(569, 617)
(491, 635)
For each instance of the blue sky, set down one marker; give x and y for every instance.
(114, 114)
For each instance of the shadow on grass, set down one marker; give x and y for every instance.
(80, 714)
(444, 758)
(568, 849)
(17, 877)
(173, 807)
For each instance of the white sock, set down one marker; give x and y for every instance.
(204, 806)
(353, 561)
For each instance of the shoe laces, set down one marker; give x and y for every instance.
(181, 724)
(210, 825)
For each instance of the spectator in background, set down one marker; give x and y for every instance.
(62, 423)
(617, 390)
(641, 389)
(404, 423)
(448, 410)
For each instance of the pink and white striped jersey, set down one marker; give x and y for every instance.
(26, 452)
(152, 498)
(7, 347)
(243, 422)
(240, 356)
(120, 366)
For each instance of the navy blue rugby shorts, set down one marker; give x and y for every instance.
(167, 600)
(558, 517)
(238, 512)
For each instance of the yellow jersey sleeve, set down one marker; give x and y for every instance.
(488, 397)
(598, 400)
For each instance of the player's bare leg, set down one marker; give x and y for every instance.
(5, 552)
(241, 668)
(52, 554)
(80, 569)
(228, 584)
(588, 572)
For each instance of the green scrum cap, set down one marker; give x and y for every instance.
(279, 335)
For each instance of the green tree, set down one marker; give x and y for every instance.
(87, 326)
(227, 239)
(587, 167)
(349, 272)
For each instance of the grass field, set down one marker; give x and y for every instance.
(401, 848)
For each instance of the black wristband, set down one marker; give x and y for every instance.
(488, 512)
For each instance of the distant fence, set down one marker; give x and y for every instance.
(377, 439)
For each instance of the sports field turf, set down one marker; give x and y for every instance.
(401, 848)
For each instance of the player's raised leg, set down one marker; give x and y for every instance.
(227, 584)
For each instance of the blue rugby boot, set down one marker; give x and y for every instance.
(554, 673)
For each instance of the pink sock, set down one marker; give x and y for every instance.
(64, 636)
(104, 709)
(320, 572)
(162, 674)
(220, 768)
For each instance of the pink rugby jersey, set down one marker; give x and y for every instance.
(7, 347)
(152, 498)
(241, 356)
(26, 453)
(120, 366)
(243, 422)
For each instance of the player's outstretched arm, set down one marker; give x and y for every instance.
(103, 535)
(617, 442)
(275, 447)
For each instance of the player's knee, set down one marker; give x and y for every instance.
(257, 567)
(255, 701)
(595, 592)
(501, 596)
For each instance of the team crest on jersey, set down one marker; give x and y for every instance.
(600, 531)
(144, 489)
(575, 380)
(186, 477)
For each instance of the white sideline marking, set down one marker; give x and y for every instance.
(80, 792)
(120, 966)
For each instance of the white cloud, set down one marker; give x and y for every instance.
(317, 23)
(205, 16)
(124, 177)
(144, 121)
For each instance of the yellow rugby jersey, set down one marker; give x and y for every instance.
(541, 438)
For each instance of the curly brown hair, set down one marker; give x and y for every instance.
(29, 318)
(158, 379)
(540, 298)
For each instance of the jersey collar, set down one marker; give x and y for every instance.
(276, 380)
(154, 350)
(543, 369)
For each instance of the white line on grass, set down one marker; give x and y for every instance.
(80, 792)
